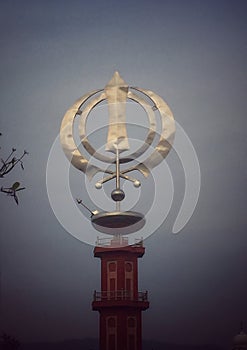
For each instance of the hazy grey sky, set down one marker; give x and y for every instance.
(193, 54)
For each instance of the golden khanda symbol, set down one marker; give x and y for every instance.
(117, 93)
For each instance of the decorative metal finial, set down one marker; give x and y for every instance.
(117, 93)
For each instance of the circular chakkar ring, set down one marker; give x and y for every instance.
(160, 152)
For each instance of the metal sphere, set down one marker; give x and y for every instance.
(117, 195)
(137, 183)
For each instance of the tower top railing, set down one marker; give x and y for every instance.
(118, 241)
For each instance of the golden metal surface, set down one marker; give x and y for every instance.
(116, 93)
(67, 140)
(117, 220)
(166, 136)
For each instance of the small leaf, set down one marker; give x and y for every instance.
(15, 185)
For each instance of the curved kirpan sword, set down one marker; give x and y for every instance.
(116, 93)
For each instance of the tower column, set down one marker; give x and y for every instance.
(119, 302)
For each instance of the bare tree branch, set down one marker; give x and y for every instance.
(8, 165)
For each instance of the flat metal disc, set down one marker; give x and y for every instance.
(105, 221)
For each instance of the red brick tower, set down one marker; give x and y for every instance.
(119, 302)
